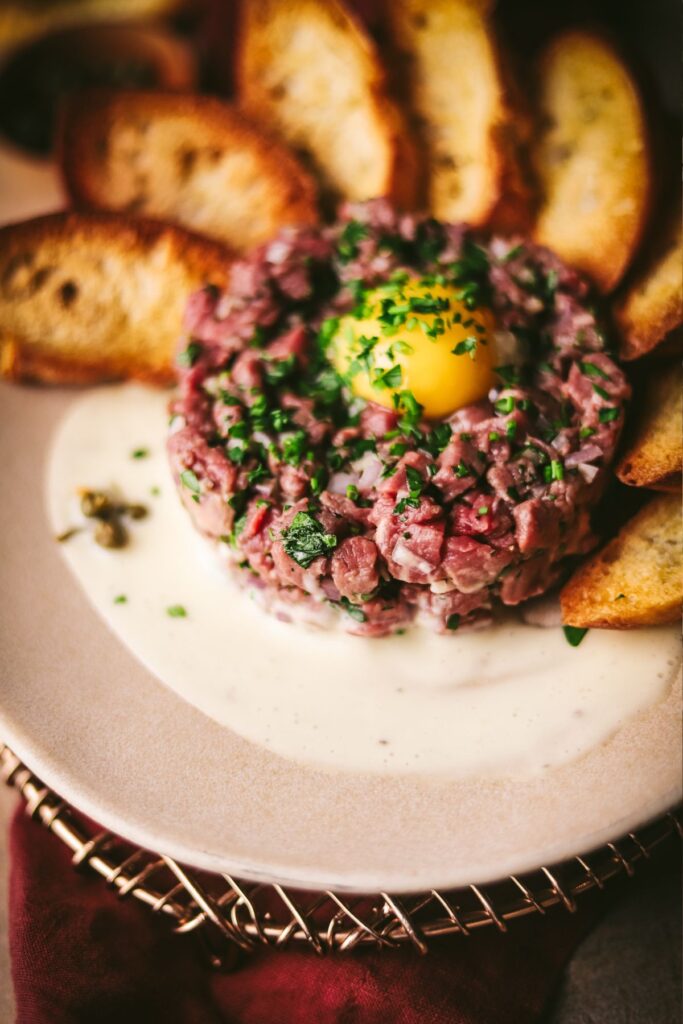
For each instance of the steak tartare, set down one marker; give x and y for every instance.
(332, 506)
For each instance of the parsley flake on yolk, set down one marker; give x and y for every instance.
(419, 337)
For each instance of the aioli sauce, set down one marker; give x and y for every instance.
(512, 700)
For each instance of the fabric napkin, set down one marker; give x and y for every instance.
(82, 956)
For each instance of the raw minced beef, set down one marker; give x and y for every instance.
(328, 504)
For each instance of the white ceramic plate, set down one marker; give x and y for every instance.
(120, 746)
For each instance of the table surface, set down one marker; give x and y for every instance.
(626, 972)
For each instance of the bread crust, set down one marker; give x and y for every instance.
(192, 160)
(654, 450)
(91, 297)
(469, 139)
(637, 578)
(310, 71)
(652, 306)
(592, 158)
(20, 21)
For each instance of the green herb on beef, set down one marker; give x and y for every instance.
(354, 610)
(189, 356)
(505, 404)
(347, 246)
(305, 540)
(416, 486)
(190, 480)
(608, 415)
(510, 375)
(294, 448)
(591, 370)
(279, 370)
(453, 621)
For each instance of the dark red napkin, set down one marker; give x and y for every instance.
(82, 956)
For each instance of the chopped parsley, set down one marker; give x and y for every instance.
(391, 378)
(453, 621)
(608, 415)
(354, 610)
(347, 246)
(574, 635)
(416, 486)
(190, 480)
(120, 599)
(176, 611)
(591, 370)
(305, 540)
(467, 347)
(294, 448)
(189, 356)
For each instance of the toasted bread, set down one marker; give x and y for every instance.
(308, 69)
(20, 21)
(652, 306)
(86, 297)
(654, 451)
(449, 74)
(191, 160)
(591, 158)
(636, 579)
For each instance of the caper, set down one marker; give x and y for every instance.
(136, 511)
(110, 533)
(95, 504)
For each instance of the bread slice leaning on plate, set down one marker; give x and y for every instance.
(92, 297)
(591, 157)
(308, 70)
(448, 70)
(191, 160)
(653, 454)
(637, 578)
(652, 305)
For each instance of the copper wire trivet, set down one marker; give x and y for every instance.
(230, 913)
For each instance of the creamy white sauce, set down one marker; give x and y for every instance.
(511, 700)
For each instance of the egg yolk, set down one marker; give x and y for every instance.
(419, 337)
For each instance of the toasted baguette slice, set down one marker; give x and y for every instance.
(637, 579)
(307, 69)
(591, 158)
(449, 72)
(85, 298)
(653, 304)
(192, 160)
(20, 21)
(655, 449)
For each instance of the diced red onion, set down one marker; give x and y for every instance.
(586, 454)
(442, 587)
(338, 482)
(588, 473)
(406, 558)
(369, 468)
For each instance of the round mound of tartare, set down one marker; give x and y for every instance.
(393, 420)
